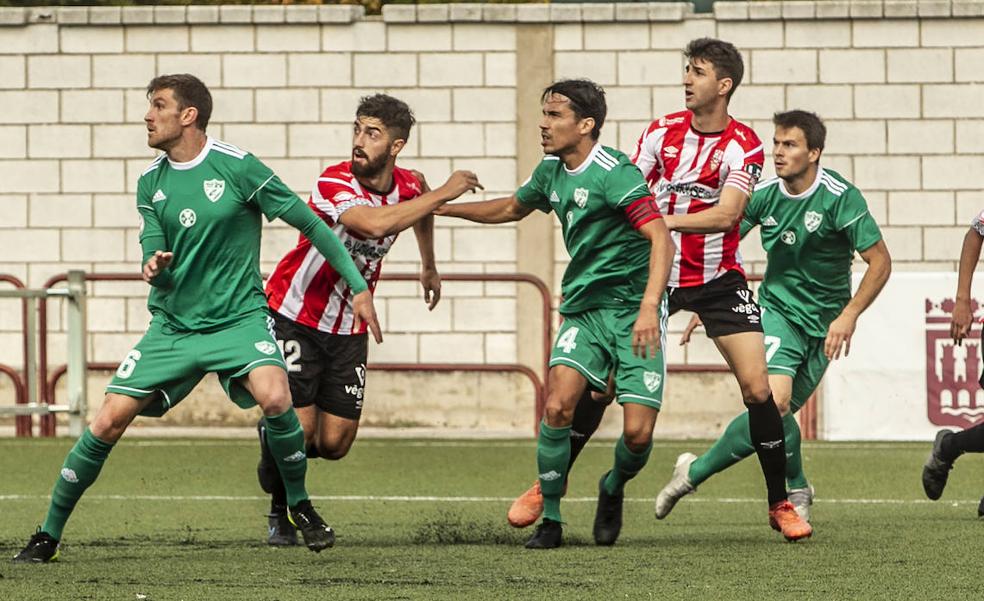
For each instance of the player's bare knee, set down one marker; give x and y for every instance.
(557, 415)
(755, 395)
(637, 438)
(274, 400)
(782, 404)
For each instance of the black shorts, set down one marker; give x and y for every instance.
(725, 305)
(326, 370)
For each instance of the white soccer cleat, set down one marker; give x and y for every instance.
(802, 498)
(678, 487)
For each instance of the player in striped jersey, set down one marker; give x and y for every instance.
(200, 205)
(613, 289)
(949, 445)
(367, 201)
(811, 221)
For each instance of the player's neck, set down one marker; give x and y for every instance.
(381, 183)
(802, 182)
(189, 146)
(575, 156)
(711, 120)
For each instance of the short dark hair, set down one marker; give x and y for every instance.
(722, 55)
(587, 99)
(809, 123)
(393, 112)
(188, 91)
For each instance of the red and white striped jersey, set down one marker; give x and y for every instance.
(686, 171)
(304, 286)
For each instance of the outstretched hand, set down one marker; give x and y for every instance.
(156, 264)
(460, 182)
(365, 313)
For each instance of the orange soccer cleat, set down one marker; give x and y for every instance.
(527, 507)
(783, 518)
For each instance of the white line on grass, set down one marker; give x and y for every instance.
(436, 499)
(477, 444)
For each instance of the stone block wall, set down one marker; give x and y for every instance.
(899, 82)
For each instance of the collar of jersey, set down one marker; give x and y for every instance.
(805, 193)
(195, 161)
(587, 161)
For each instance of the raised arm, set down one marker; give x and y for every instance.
(970, 254)
(379, 222)
(875, 276)
(499, 210)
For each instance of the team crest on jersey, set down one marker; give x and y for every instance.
(214, 189)
(652, 380)
(187, 218)
(812, 221)
(266, 347)
(789, 237)
(581, 196)
(716, 159)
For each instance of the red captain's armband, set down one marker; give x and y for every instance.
(642, 212)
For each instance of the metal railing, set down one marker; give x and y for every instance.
(808, 414)
(27, 389)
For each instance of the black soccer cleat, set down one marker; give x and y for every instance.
(280, 532)
(980, 509)
(318, 535)
(266, 469)
(42, 548)
(608, 515)
(936, 470)
(549, 535)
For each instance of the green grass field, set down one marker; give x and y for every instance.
(174, 519)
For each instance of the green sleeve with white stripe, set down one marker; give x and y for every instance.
(152, 237)
(260, 186)
(625, 185)
(851, 216)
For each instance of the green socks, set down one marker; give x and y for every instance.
(285, 438)
(79, 471)
(627, 465)
(553, 452)
(795, 478)
(736, 444)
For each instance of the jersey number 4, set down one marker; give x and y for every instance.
(566, 341)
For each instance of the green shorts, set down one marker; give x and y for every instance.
(168, 363)
(599, 341)
(790, 352)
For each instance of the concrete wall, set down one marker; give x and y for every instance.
(900, 83)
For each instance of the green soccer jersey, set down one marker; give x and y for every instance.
(208, 213)
(609, 259)
(810, 240)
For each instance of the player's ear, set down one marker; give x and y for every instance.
(189, 115)
(813, 155)
(724, 86)
(586, 126)
(397, 146)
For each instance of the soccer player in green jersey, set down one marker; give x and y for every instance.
(200, 205)
(812, 221)
(614, 304)
(950, 445)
